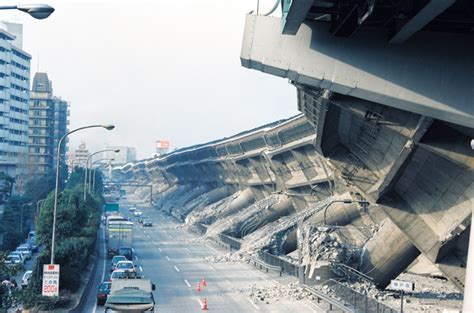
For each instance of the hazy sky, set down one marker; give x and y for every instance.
(156, 69)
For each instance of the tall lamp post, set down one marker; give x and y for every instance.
(87, 165)
(93, 170)
(38, 11)
(108, 127)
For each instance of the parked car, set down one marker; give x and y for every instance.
(116, 259)
(32, 243)
(137, 213)
(26, 249)
(132, 209)
(127, 252)
(103, 291)
(31, 234)
(26, 278)
(127, 266)
(147, 223)
(20, 254)
(12, 260)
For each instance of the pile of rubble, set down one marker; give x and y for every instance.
(228, 258)
(333, 244)
(277, 292)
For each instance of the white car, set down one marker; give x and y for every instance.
(137, 213)
(20, 254)
(26, 250)
(13, 260)
(117, 274)
(126, 266)
(26, 279)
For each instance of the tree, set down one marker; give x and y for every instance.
(77, 224)
(15, 221)
(38, 188)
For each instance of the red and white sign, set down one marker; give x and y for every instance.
(51, 280)
(162, 144)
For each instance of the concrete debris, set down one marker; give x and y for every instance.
(334, 244)
(276, 292)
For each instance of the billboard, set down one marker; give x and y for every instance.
(162, 144)
(50, 280)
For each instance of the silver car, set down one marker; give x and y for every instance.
(26, 250)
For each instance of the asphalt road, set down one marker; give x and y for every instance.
(173, 259)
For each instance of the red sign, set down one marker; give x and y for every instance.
(162, 144)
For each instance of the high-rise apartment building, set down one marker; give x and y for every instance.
(125, 155)
(80, 155)
(48, 123)
(14, 98)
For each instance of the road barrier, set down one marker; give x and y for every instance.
(233, 242)
(287, 267)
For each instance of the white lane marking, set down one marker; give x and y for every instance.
(187, 249)
(144, 231)
(187, 283)
(309, 307)
(254, 305)
(136, 258)
(167, 258)
(200, 302)
(148, 236)
(141, 269)
(176, 268)
(159, 249)
(212, 268)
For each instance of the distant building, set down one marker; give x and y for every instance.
(80, 156)
(48, 123)
(126, 154)
(14, 98)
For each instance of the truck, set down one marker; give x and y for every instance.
(119, 234)
(132, 293)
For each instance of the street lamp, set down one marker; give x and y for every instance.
(38, 11)
(87, 165)
(108, 127)
(93, 170)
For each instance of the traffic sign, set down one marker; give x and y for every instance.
(402, 285)
(50, 280)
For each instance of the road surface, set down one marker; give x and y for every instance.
(174, 260)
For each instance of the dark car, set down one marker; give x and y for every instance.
(103, 291)
(147, 222)
(127, 252)
(142, 218)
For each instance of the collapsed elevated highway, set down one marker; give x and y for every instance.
(374, 174)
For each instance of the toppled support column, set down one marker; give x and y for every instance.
(387, 254)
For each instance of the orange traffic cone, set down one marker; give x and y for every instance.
(204, 281)
(204, 305)
(199, 287)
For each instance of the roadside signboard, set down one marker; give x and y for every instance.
(51, 280)
(111, 207)
(401, 285)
